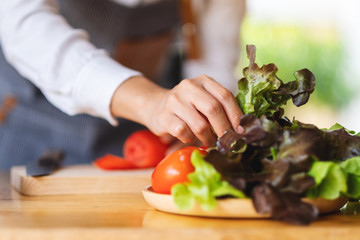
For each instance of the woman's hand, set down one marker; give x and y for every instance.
(198, 108)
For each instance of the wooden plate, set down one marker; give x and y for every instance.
(229, 208)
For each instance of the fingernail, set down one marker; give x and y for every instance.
(240, 129)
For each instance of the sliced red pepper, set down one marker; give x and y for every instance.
(112, 162)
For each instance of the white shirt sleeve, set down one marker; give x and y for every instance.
(73, 74)
(218, 29)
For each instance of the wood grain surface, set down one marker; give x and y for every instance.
(128, 216)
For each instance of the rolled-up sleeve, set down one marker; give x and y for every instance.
(72, 73)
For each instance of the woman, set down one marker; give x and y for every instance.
(80, 73)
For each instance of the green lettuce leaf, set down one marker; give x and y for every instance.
(261, 92)
(352, 169)
(330, 180)
(319, 170)
(353, 184)
(334, 179)
(352, 165)
(204, 187)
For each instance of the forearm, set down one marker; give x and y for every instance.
(134, 99)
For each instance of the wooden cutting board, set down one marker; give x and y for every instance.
(80, 179)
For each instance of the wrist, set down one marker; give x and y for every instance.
(135, 98)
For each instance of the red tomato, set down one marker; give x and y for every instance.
(144, 149)
(173, 169)
(112, 162)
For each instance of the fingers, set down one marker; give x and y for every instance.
(228, 103)
(179, 129)
(195, 109)
(212, 110)
(168, 139)
(215, 102)
(197, 123)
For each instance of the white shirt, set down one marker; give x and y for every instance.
(72, 73)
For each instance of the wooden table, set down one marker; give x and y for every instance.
(127, 216)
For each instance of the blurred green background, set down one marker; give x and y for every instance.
(293, 47)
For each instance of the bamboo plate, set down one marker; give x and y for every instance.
(229, 208)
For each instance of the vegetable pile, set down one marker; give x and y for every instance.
(276, 162)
